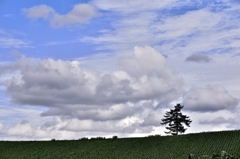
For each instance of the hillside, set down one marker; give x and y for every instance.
(163, 147)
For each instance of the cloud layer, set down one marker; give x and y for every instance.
(128, 100)
(93, 95)
(90, 101)
(141, 79)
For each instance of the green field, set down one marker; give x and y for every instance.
(163, 147)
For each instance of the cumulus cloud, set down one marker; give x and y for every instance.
(25, 130)
(69, 90)
(88, 125)
(41, 11)
(198, 58)
(81, 13)
(209, 99)
(151, 64)
(21, 129)
(126, 125)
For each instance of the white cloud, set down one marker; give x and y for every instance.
(108, 127)
(72, 128)
(25, 130)
(81, 13)
(117, 101)
(146, 64)
(211, 98)
(21, 129)
(41, 11)
(88, 125)
(90, 88)
(126, 125)
(114, 99)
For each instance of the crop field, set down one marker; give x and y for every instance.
(159, 147)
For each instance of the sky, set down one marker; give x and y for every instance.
(73, 69)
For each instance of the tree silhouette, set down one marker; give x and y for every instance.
(174, 119)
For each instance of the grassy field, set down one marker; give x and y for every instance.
(163, 147)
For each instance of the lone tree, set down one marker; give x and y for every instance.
(174, 119)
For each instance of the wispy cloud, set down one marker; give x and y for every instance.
(126, 6)
(198, 28)
(13, 39)
(51, 43)
(7, 42)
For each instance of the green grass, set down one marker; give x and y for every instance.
(163, 147)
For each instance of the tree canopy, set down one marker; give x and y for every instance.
(174, 118)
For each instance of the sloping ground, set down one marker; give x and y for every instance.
(164, 147)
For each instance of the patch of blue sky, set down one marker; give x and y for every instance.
(10, 105)
(39, 32)
(209, 3)
(176, 11)
(8, 121)
(69, 44)
(61, 6)
(3, 97)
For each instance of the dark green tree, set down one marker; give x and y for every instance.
(174, 119)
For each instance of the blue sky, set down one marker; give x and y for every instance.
(71, 69)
